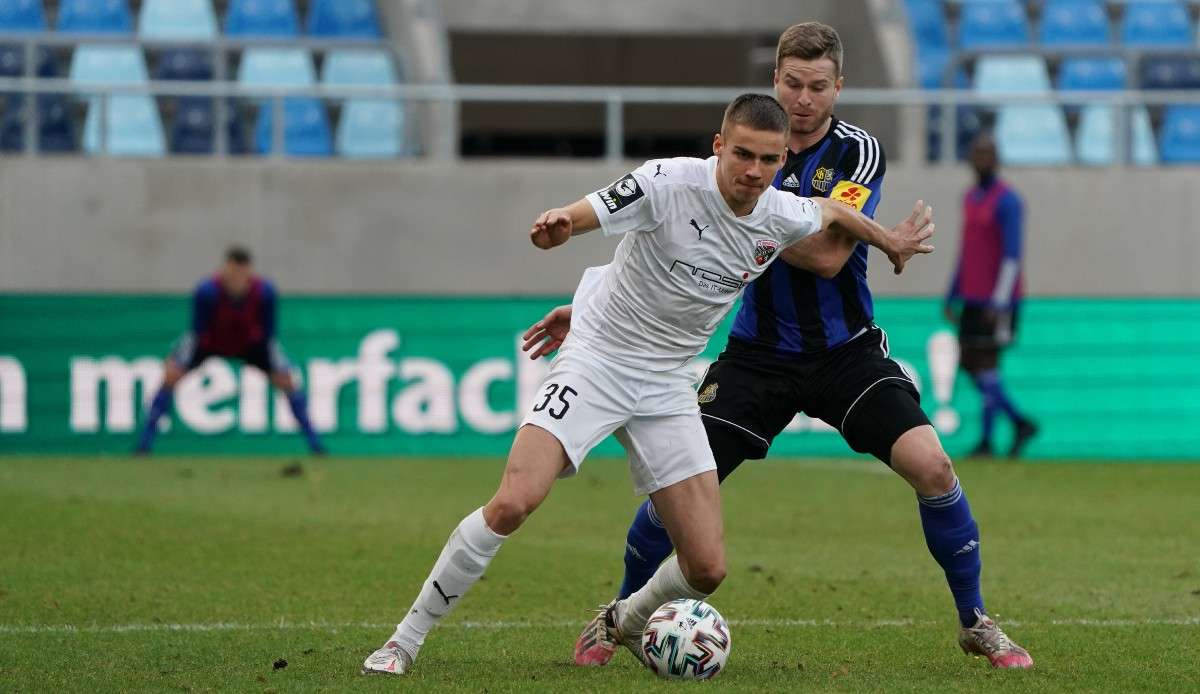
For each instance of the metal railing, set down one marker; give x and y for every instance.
(613, 99)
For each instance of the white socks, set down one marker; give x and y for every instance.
(463, 560)
(665, 585)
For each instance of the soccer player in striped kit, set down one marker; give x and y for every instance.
(985, 292)
(804, 340)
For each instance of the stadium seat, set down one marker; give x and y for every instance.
(927, 21)
(22, 15)
(1032, 135)
(12, 61)
(177, 20)
(1095, 138)
(1074, 23)
(346, 19)
(1155, 23)
(1091, 74)
(56, 130)
(192, 131)
(305, 128)
(133, 124)
(1179, 142)
(189, 64)
(992, 24)
(262, 18)
(306, 125)
(369, 128)
(1170, 72)
(1017, 73)
(931, 67)
(276, 67)
(95, 17)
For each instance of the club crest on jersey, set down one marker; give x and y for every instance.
(764, 250)
(708, 394)
(822, 180)
(622, 192)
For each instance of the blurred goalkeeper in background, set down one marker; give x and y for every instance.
(233, 316)
(985, 292)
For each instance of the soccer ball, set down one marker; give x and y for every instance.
(686, 639)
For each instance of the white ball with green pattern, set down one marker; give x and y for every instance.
(686, 639)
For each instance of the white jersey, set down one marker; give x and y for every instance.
(682, 263)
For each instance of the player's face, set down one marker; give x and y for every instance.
(808, 90)
(235, 277)
(983, 157)
(747, 161)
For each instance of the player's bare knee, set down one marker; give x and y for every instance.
(507, 512)
(936, 475)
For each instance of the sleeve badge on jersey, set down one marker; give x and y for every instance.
(764, 249)
(708, 394)
(822, 180)
(851, 194)
(622, 192)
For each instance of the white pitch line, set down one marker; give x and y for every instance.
(555, 624)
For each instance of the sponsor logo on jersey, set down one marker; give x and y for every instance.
(791, 182)
(851, 194)
(710, 280)
(764, 249)
(708, 394)
(624, 191)
(822, 180)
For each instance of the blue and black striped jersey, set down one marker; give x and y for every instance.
(792, 310)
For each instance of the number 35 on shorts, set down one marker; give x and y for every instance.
(556, 397)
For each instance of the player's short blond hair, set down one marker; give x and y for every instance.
(810, 41)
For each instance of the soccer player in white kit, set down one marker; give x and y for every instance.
(694, 233)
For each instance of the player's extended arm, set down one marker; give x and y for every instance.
(553, 227)
(900, 243)
(547, 335)
(823, 253)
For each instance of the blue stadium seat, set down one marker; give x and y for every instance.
(927, 21)
(1180, 138)
(369, 128)
(1094, 140)
(56, 130)
(22, 15)
(1032, 135)
(993, 24)
(306, 125)
(189, 64)
(931, 67)
(347, 19)
(262, 18)
(277, 67)
(1091, 74)
(1170, 72)
(134, 127)
(177, 20)
(12, 61)
(1156, 23)
(1074, 23)
(192, 131)
(95, 17)
(1016, 73)
(305, 129)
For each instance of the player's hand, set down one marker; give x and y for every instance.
(909, 236)
(551, 228)
(547, 335)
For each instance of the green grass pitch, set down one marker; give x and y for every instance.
(183, 574)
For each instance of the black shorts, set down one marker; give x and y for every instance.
(855, 388)
(267, 357)
(982, 328)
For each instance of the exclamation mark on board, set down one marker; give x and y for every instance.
(942, 350)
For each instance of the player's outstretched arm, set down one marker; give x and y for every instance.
(553, 227)
(823, 253)
(900, 243)
(547, 335)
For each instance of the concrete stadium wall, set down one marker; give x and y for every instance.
(422, 227)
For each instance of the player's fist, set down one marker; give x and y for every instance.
(551, 228)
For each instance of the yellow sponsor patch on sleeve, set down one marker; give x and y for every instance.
(849, 193)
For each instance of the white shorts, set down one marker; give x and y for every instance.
(653, 414)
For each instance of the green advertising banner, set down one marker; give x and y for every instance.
(1105, 379)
